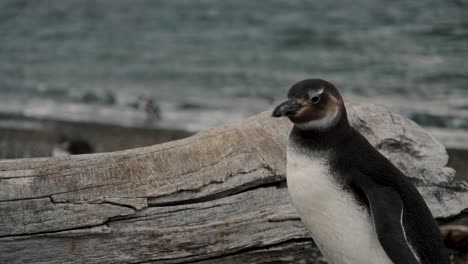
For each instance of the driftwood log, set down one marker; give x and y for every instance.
(216, 197)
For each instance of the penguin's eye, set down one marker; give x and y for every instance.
(315, 99)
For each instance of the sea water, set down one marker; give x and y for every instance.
(209, 62)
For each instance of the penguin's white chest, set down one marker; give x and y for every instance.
(341, 228)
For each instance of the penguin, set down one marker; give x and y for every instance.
(71, 146)
(358, 207)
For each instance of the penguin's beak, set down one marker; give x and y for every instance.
(288, 108)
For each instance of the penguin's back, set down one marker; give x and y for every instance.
(421, 230)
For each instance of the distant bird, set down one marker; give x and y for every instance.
(66, 146)
(147, 105)
(358, 207)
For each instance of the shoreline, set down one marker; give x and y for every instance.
(36, 138)
(458, 160)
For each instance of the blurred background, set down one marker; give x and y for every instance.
(115, 74)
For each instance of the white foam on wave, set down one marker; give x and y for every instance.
(42, 109)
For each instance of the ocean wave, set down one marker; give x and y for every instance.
(42, 109)
(196, 113)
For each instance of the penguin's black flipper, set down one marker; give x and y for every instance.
(386, 208)
(396, 206)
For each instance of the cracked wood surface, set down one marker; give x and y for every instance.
(216, 197)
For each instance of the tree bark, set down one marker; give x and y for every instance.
(216, 197)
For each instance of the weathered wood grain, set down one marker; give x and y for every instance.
(216, 197)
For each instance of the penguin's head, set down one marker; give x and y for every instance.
(312, 104)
